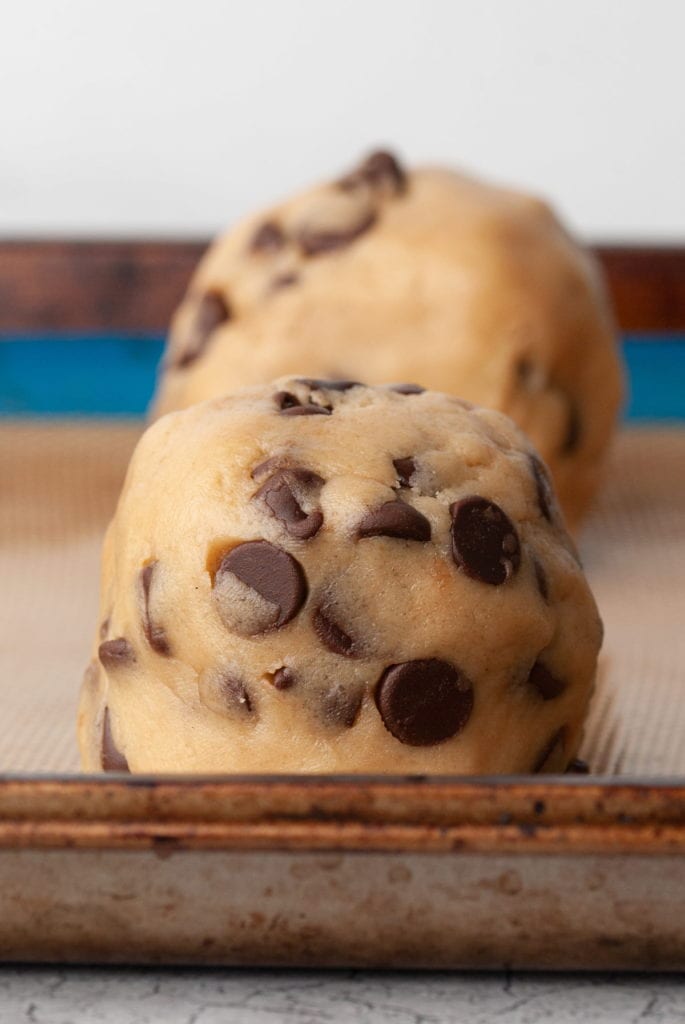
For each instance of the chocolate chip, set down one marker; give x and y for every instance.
(314, 241)
(269, 237)
(111, 758)
(234, 693)
(116, 653)
(211, 311)
(407, 389)
(549, 752)
(154, 633)
(340, 705)
(485, 544)
(424, 702)
(395, 519)
(547, 685)
(289, 405)
(381, 168)
(278, 494)
(329, 385)
(578, 767)
(332, 635)
(405, 469)
(283, 678)
(574, 429)
(272, 573)
(541, 580)
(543, 486)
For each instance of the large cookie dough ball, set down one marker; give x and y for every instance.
(431, 277)
(329, 577)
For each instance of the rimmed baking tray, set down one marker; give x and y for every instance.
(578, 872)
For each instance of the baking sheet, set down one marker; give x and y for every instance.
(58, 486)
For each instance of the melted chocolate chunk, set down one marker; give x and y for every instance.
(272, 573)
(235, 693)
(284, 678)
(211, 311)
(379, 169)
(315, 241)
(541, 580)
(395, 519)
(405, 469)
(269, 237)
(278, 494)
(340, 705)
(111, 758)
(329, 385)
(407, 389)
(116, 653)
(289, 405)
(555, 746)
(547, 685)
(574, 429)
(332, 635)
(154, 633)
(543, 486)
(485, 544)
(424, 702)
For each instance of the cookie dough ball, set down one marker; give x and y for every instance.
(327, 577)
(429, 276)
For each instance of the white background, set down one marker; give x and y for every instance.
(171, 117)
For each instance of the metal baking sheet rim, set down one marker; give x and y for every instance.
(556, 873)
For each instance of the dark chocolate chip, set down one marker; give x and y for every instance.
(211, 311)
(111, 758)
(329, 385)
(116, 653)
(395, 519)
(485, 544)
(332, 635)
(543, 486)
(380, 168)
(574, 429)
(154, 633)
(407, 389)
(283, 678)
(424, 702)
(278, 494)
(541, 580)
(269, 237)
(340, 705)
(554, 745)
(235, 693)
(405, 469)
(272, 573)
(578, 767)
(547, 685)
(314, 241)
(289, 405)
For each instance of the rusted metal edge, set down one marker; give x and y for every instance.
(358, 813)
(134, 285)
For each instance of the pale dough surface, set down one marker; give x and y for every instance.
(279, 557)
(431, 277)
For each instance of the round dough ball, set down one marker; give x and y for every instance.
(429, 277)
(328, 577)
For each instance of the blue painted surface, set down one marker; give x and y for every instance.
(114, 376)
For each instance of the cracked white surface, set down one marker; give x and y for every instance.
(145, 996)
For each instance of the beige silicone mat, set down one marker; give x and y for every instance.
(58, 486)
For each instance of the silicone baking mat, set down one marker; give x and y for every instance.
(58, 487)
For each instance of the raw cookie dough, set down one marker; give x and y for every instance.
(429, 276)
(327, 577)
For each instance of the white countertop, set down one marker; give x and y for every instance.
(148, 996)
